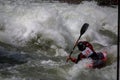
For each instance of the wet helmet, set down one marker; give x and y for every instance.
(81, 46)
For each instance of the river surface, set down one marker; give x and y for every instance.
(47, 33)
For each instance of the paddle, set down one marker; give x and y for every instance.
(82, 31)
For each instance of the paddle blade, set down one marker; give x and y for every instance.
(84, 28)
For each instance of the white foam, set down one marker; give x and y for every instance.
(49, 63)
(54, 21)
(77, 69)
(60, 23)
(60, 52)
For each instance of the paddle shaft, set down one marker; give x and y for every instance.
(75, 45)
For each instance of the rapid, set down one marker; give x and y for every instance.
(47, 32)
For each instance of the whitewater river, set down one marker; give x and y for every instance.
(47, 31)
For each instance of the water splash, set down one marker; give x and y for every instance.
(47, 31)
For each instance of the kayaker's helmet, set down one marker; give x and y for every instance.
(81, 46)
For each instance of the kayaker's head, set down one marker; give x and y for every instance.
(81, 46)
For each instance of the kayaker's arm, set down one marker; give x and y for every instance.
(76, 60)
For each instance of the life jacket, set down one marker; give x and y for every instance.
(89, 51)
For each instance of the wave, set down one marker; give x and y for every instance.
(47, 32)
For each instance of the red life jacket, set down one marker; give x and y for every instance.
(88, 51)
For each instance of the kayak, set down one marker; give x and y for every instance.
(98, 63)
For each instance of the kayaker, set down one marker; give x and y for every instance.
(87, 51)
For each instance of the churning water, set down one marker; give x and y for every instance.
(47, 32)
